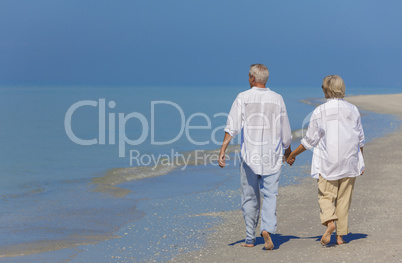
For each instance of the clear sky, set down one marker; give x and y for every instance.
(185, 42)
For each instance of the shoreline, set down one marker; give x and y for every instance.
(213, 236)
(373, 218)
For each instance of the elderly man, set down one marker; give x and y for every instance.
(260, 115)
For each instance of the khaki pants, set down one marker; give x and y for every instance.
(334, 198)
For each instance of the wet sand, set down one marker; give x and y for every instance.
(373, 218)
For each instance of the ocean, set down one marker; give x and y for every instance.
(115, 174)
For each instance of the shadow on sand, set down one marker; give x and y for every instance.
(279, 239)
(348, 238)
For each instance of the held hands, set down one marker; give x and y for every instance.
(290, 159)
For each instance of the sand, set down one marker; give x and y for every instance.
(373, 219)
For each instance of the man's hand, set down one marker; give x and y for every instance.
(222, 159)
(287, 154)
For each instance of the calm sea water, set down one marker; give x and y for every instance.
(47, 184)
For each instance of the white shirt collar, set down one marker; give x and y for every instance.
(261, 89)
(334, 99)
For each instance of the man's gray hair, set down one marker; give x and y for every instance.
(260, 72)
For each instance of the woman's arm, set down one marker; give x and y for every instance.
(292, 157)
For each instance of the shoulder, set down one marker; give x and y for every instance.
(341, 105)
(243, 94)
(274, 96)
(321, 108)
(350, 105)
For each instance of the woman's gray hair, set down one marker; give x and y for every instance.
(260, 73)
(334, 86)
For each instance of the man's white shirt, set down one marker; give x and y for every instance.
(261, 117)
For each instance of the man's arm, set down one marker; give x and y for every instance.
(286, 131)
(226, 141)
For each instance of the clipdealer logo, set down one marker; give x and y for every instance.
(107, 122)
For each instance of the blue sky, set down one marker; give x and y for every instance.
(184, 42)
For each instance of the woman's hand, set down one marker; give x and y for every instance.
(291, 159)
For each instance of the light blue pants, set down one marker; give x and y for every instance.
(251, 185)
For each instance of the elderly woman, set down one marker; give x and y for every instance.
(336, 133)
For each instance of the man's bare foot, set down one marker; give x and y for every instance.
(269, 245)
(247, 245)
(339, 240)
(327, 235)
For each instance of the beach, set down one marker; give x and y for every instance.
(74, 203)
(113, 117)
(373, 218)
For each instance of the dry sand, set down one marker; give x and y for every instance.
(373, 220)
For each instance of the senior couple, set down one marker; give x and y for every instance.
(334, 131)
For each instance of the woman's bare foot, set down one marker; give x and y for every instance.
(327, 235)
(339, 240)
(247, 245)
(269, 245)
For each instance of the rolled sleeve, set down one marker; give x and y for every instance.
(234, 121)
(314, 133)
(231, 133)
(361, 133)
(306, 144)
(361, 143)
